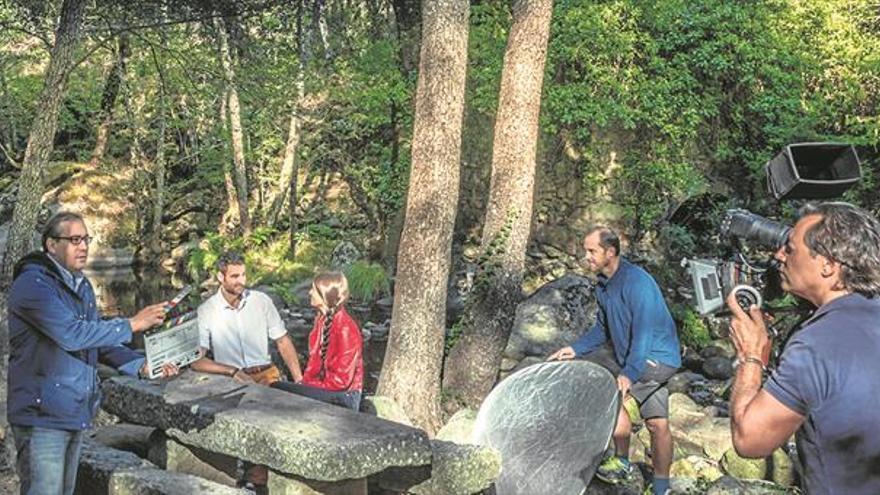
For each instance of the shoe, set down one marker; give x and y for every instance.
(614, 470)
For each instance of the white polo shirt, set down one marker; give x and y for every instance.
(240, 336)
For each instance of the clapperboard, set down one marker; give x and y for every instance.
(175, 342)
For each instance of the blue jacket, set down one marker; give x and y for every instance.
(633, 314)
(56, 338)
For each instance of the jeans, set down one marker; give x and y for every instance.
(350, 399)
(47, 459)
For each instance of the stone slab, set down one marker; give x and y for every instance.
(289, 433)
(103, 470)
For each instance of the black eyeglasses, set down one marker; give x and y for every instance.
(75, 239)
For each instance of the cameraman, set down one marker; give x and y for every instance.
(826, 386)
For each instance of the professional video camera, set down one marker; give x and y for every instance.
(801, 170)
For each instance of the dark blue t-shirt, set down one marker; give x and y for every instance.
(830, 373)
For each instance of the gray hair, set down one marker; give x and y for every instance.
(53, 226)
(607, 237)
(850, 236)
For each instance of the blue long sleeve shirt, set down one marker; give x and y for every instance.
(634, 316)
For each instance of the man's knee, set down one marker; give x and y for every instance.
(657, 425)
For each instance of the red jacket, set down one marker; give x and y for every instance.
(344, 366)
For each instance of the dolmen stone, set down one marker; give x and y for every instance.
(103, 470)
(551, 422)
(291, 434)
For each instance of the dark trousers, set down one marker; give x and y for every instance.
(350, 399)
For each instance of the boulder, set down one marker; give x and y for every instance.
(385, 408)
(553, 317)
(718, 367)
(344, 254)
(728, 485)
(460, 469)
(695, 433)
(779, 469)
(460, 427)
(681, 382)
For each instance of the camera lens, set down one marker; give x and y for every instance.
(746, 225)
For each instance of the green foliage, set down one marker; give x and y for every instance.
(692, 330)
(367, 281)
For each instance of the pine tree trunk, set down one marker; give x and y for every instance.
(30, 182)
(472, 365)
(239, 171)
(40, 140)
(413, 359)
(108, 101)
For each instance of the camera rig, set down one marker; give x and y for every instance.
(799, 171)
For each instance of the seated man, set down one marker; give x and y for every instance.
(236, 323)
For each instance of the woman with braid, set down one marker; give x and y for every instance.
(335, 371)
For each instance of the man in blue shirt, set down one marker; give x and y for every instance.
(56, 338)
(826, 385)
(635, 338)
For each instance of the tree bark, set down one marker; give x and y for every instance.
(240, 169)
(413, 359)
(30, 181)
(108, 100)
(472, 365)
(40, 140)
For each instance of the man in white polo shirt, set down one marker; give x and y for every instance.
(236, 323)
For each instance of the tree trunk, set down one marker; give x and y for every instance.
(108, 100)
(472, 365)
(40, 140)
(30, 181)
(413, 360)
(240, 169)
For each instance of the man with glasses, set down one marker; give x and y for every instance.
(56, 339)
(634, 337)
(826, 384)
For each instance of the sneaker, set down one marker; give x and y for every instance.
(614, 470)
(649, 490)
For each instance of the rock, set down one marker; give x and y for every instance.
(123, 436)
(460, 469)
(681, 382)
(551, 423)
(273, 294)
(553, 317)
(780, 470)
(696, 467)
(106, 470)
(460, 427)
(718, 367)
(344, 254)
(694, 433)
(289, 433)
(179, 458)
(728, 485)
(692, 360)
(719, 348)
(528, 361)
(385, 408)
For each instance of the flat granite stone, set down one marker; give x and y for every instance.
(287, 432)
(103, 470)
